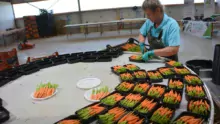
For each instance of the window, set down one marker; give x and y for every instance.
(200, 1)
(58, 6)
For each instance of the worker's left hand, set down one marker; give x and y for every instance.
(146, 55)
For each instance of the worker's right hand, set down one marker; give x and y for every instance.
(142, 46)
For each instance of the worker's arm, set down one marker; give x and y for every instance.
(141, 38)
(168, 51)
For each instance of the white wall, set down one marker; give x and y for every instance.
(6, 16)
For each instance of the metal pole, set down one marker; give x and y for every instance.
(80, 14)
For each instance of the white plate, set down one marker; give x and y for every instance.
(88, 83)
(40, 99)
(88, 94)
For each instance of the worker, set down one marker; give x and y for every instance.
(162, 32)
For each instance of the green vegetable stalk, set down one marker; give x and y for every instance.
(49, 85)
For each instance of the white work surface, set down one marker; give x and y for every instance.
(24, 110)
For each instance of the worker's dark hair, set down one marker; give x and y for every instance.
(153, 5)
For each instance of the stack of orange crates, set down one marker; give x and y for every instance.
(31, 27)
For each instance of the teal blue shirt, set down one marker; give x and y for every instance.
(171, 31)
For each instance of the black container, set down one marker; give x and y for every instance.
(155, 85)
(145, 121)
(28, 68)
(89, 59)
(59, 60)
(110, 106)
(155, 80)
(129, 79)
(113, 54)
(192, 97)
(172, 106)
(64, 55)
(186, 82)
(140, 79)
(79, 54)
(4, 115)
(93, 118)
(166, 76)
(73, 59)
(112, 68)
(71, 117)
(131, 70)
(188, 114)
(203, 116)
(44, 64)
(89, 53)
(3, 81)
(175, 79)
(149, 113)
(104, 59)
(12, 73)
(142, 82)
(198, 65)
(170, 66)
(0, 102)
(125, 92)
(102, 53)
(181, 75)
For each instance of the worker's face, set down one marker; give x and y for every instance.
(153, 15)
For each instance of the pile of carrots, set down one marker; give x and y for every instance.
(126, 77)
(181, 71)
(195, 91)
(191, 79)
(131, 67)
(136, 57)
(131, 100)
(112, 99)
(166, 71)
(156, 91)
(141, 87)
(130, 118)
(124, 86)
(100, 93)
(45, 90)
(162, 115)
(199, 107)
(90, 111)
(154, 75)
(70, 122)
(174, 63)
(175, 84)
(140, 74)
(146, 106)
(119, 69)
(172, 97)
(188, 120)
(112, 115)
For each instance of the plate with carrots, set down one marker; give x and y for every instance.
(96, 94)
(192, 79)
(173, 64)
(44, 91)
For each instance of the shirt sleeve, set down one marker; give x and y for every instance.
(144, 28)
(174, 35)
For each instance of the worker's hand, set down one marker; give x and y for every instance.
(142, 46)
(146, 55)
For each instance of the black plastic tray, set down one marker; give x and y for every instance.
(187, 114)
(6, 115)
(145, 121)
(0, 102)
(125, 92)
(44, 64)
(126, 80)
(140, 79)
(76, 54)
(3, 81)
(89, 53)
(186, 82)
(71, 117)
(206, 117)
(190, 97)
(89, 59)
(112, 68)
(91, 119)
(104, 59)
(64, 55)
(180, 79)
(158, 99)
(28, 68)
(181, 75)
(172, 106)
(113, 54)
(131, 70)
(167, 76)
(73, 59)
(12, 73)
(59, 60)
(142, 82)
(110, 106)
(154, 80)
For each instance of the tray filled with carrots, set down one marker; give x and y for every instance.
(72, 119)
(155, 76)
(176, 84)
(136, 58)
(126, 76)
(131, 67)
(112, 116)
(90, 113)
(194, 92)
(172, 99)
(192, 79)
(146, 107)
(131, 118)
(181, 71)
(162, 115)
(131, 101)
(118, 69)
(166, 72)
(200, 106)
(156, 91)
(125, 87)
(141, 87)
(140, 75)
(173, 64)
(188, 118)
(112, 99)
(132, 47)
